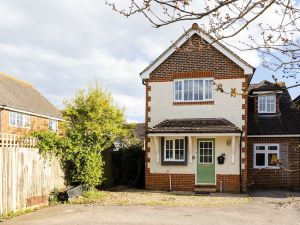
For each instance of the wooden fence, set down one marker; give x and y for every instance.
(25, 177)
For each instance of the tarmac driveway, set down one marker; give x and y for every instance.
(267, 208)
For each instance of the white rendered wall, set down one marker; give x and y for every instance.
(225, 106)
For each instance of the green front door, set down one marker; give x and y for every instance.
(206, 161)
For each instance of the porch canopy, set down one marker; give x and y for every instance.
(196, 125)
(204, 127)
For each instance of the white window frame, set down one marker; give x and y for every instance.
(16, 114)
(266, 152)
(56, 125)
(182, 91)
(265, 103)
(173, 154)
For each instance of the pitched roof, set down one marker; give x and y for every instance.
(20, 95)
(266, 86)
(248, 69)
(297, 99)
(196, 125)
(283, 123)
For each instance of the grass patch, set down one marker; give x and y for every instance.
(10, 215)
(90, 197)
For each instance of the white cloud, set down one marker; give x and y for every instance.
(62, 45)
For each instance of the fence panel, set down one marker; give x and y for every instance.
(25, 177)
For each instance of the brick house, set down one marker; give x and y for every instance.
(197, 137)
(273, 134)
(24, 109)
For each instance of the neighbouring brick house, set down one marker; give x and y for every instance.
(24, 109)
(273, 134)
(190, 127)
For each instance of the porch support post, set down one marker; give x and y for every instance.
(156, 145)
(190, 138)
(232, 149)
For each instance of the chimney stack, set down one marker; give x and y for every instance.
(195, 26)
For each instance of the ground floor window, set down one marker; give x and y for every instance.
(266, 155)
(174, 149)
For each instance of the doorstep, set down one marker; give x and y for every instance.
(205, 189)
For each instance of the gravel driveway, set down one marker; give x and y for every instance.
(271, 208)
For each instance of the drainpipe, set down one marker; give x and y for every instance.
(241, 158)
(1, 109)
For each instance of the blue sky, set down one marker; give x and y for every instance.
(61, 46)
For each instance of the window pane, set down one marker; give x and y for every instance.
(261, 103)
(260, 147)
(26, 121)
(176, 154)
(272, 148)
(208, 89)
(272, 159)
(201, 90)
(182, 154)
(186, 90)
(11, 118)
(178, 90)
(181, 144)
(177, 144)
(191, 84)
(206, 159)
(196, 89)
(260, 159)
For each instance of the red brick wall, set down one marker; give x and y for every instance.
(186, 182)
(200, 57)
(276, 178)
(230, 183)
(161, 181)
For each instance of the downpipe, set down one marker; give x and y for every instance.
(241, 158)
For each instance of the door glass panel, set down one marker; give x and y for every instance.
(206, 153)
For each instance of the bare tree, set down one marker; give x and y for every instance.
(277, 40)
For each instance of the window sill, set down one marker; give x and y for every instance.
(172, 163)
(267, 167)
(17, 127)
(194, 103)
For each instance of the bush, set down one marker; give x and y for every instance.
(54, 197)
(93, 122)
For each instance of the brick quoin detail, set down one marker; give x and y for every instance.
(276, 178)
(244, 177)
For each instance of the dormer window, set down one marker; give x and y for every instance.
(191, 90)
(267, 104)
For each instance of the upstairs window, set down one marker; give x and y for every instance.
(193, 90)
(267, 104)
(19, 120)
(53, 125)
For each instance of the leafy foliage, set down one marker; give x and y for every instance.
(92, 124)
(54, 197)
